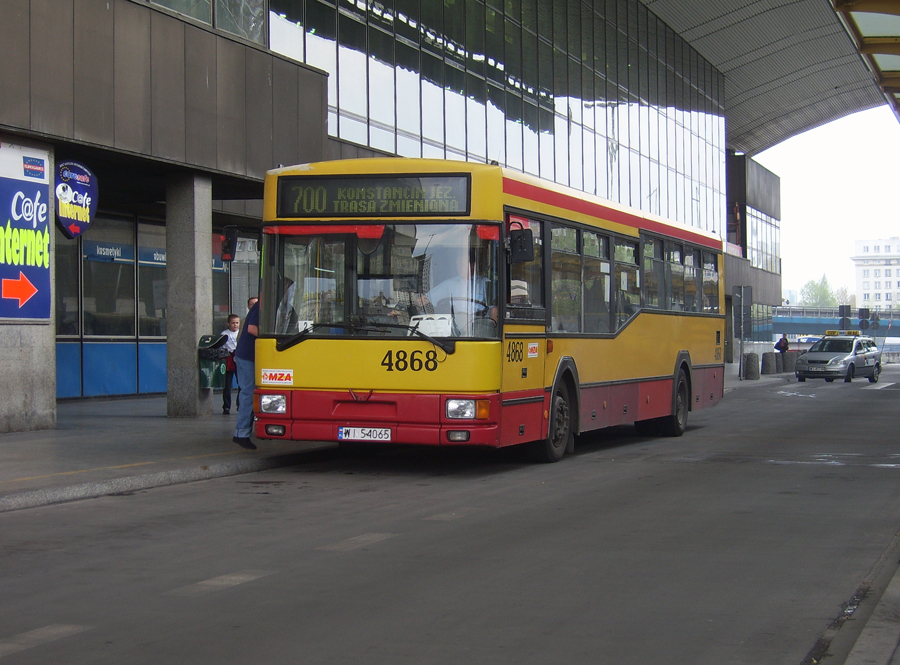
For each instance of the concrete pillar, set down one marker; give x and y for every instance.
(188, 290)
(769, 365)
(751, 366)
(779, 363)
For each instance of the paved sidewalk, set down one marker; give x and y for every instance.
(120, 445)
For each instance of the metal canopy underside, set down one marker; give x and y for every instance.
(789, 65)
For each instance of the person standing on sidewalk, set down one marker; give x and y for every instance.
(231, 332)
(245, 360)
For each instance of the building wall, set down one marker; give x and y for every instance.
(876, 264)
(124, 76)
(136, 92)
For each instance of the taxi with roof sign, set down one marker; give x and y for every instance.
(840, 354)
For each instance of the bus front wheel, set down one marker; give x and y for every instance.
(676, 424)
(561, 436)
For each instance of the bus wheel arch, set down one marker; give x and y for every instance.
(562, 415)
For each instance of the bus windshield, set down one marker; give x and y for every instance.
(382, 280)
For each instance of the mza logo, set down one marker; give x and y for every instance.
(277, 377)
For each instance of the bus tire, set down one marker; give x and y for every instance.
(676, 424)
(560, 436)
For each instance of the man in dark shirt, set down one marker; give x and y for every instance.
(245, 359)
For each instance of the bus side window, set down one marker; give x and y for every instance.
(596, 281)
(627, 282)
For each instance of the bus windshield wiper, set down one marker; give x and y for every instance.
(447, 346)
(301, 336)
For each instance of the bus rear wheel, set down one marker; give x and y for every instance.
(676, 424)
(561, 435)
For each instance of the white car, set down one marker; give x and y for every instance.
(840, 355)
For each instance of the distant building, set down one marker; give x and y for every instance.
(877, 268)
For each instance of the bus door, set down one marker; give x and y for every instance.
(524, 337)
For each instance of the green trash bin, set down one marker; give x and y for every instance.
(212, 354)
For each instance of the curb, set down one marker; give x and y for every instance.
(878, 641)
(91, 490)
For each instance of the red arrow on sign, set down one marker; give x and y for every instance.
(21, 289)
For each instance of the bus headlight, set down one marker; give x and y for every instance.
(272, 404)
(469, 409)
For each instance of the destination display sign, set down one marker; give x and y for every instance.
(373, 196)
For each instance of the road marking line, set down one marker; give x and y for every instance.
(358, 541)
(34, 638)
(447, 517)
(879, 386)
(219, 583)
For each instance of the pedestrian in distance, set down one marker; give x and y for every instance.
(782, 345)
(245, 360)
(231, 332)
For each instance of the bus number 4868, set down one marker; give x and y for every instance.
(415, 361)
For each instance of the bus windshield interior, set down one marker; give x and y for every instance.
(382, 280)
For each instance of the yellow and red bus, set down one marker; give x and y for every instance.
(434, 302)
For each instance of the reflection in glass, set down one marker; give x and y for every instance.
(244, 18)
(286, 35)
(628, 93)
(66, 285)
(152, 281)
(108, 273)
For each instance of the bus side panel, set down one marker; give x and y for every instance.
(655, 399)
(522, 417)
(708, 386)
(623, 403)
(594, 407)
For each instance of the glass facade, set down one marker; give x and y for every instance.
(600, 96)
(243, 18)
(763, 241)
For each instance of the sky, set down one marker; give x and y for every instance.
(839, 183)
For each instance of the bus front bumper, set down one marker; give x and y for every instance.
(366, 417)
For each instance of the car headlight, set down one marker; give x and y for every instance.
(471, 409)
(273, 404)
(837, 361)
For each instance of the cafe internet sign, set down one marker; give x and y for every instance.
(24, 233)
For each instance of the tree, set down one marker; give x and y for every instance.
(843, 296)
(818, 294)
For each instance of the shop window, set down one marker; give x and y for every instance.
(108, 273)
(151, 280)
(66, 287)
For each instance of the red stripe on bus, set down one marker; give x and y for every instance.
(567, 202)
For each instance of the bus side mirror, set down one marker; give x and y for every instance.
(521, 246)
(229, 243)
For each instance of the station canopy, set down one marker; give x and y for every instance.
(792, 65)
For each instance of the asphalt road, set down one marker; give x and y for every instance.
(764, 535)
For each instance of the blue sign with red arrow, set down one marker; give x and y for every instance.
(24, 233)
